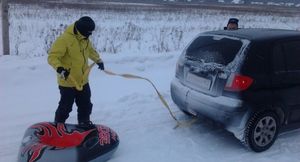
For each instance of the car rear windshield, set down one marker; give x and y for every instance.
(214, 49)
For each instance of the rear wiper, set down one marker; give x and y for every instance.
(193, 58)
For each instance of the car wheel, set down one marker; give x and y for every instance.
(261, 131)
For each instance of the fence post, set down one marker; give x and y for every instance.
(5, 27)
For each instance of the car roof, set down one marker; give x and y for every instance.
(255, 34)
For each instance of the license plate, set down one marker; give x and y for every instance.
(198, 81)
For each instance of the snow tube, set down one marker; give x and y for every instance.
(50, 142)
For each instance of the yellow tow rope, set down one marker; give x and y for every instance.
(79, 87)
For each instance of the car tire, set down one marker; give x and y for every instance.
(261, 131)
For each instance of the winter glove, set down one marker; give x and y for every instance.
(63, 73)
(100, 65)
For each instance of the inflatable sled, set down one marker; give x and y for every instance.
(50, 142)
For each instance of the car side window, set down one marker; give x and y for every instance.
(292, 51)
(257, 59)
(278, 59)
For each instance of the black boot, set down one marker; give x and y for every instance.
(86, 125)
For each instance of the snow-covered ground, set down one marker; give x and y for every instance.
(29, 93)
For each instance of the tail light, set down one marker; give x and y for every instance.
(237, 82)
(179, 71)
(180, 65)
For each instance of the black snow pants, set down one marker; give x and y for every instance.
(82, 100)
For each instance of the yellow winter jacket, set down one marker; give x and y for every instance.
(71, 51)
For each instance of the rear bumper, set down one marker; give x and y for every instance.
(230, 112)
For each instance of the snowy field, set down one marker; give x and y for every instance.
(132, 30)
(29, 93)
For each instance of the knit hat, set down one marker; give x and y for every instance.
(85, 25)
(233, 21)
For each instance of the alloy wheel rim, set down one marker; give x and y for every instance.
(265, 131)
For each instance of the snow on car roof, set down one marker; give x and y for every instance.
(255, 34)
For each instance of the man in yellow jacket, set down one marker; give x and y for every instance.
(69, 56)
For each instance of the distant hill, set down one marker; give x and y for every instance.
(292, 3)
(288, 3)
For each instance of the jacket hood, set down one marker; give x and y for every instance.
(70, 30)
